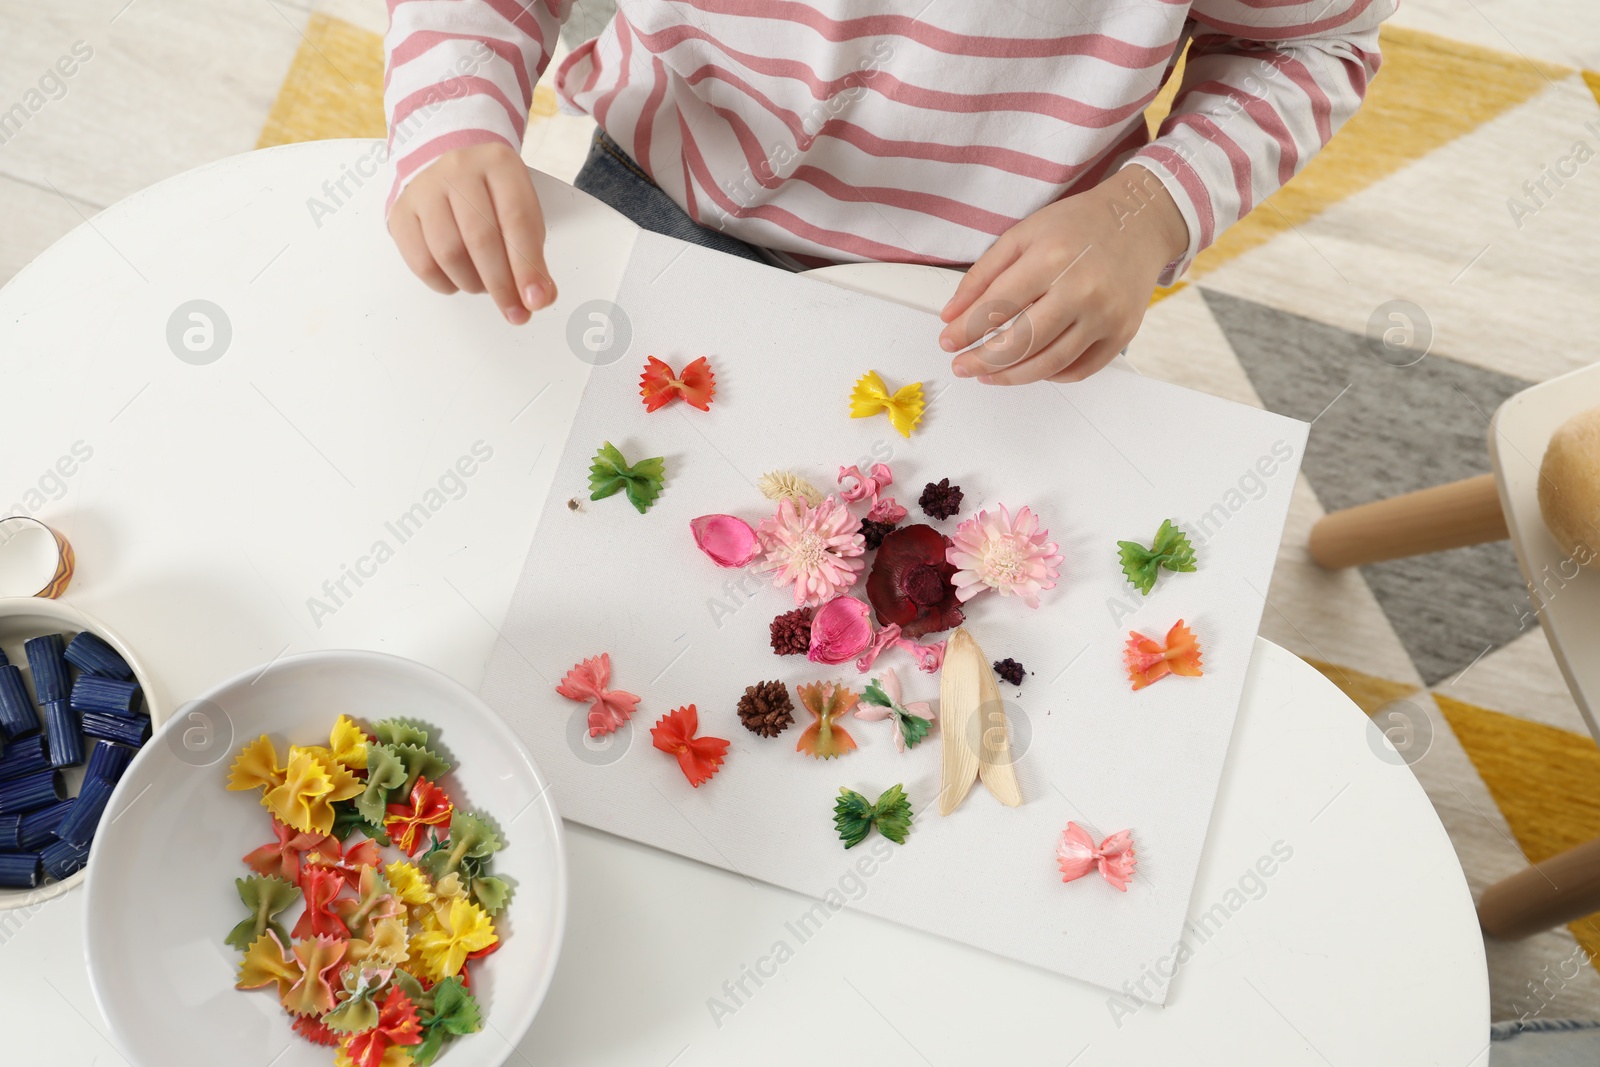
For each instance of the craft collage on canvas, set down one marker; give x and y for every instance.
(836, 564)
(917, 582)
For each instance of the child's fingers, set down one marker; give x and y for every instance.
(406, 230)
(978, 278)
(1093, 359)
(1029, 332)
(516, 206)
(1049, 361)
(1005, 297)
(474, 213)
(445, 244)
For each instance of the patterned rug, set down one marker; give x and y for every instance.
(1421, 199)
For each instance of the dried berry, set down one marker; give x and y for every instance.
(791, 632)
(874, 531)
(766, 709)
(1010, 670)
(940, 499)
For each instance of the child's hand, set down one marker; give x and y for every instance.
(472, 221)
(1087, 264)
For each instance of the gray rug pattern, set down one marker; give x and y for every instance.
(1391, 430)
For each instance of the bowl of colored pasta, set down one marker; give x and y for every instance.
(368, 872)
(74, 711)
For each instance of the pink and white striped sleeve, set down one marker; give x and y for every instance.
(1265, 85)
(461, 72)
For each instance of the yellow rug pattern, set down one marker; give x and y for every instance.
(1429, 91)
(1367, 690)
(1542, 780)
(334, 88)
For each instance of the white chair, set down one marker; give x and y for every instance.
(1566, 598)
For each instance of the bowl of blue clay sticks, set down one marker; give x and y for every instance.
(73, 714)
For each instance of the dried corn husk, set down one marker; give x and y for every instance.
(974, 739)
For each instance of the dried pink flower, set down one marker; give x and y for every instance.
(841, 630)
(817, 550)
(1006, 554)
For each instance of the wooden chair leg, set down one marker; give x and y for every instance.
(1562, 888)
(1430, 520)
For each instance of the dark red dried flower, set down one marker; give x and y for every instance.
(940, 499)
(1010, 670)
(910, 582)
(791, 632)
(874, 532)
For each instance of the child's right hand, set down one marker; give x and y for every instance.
(472, 221)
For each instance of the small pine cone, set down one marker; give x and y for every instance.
(1010, 670)
(940, 499)
(765, 708)
(791, 632)
(875, 532)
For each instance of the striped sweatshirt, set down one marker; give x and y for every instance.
(915, 132)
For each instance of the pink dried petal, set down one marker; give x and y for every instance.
(858, 491)
(930, 657)
(727, 539)
(886, 637)
(841, 630)
(867, 485)
(886, 510)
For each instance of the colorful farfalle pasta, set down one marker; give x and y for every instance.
(904, 406)
(698, 757)
(1149, 660)
(659, 386)
(366, 911)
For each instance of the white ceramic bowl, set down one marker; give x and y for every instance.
(161, 891)
(22, 617)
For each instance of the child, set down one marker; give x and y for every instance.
(1005, 134)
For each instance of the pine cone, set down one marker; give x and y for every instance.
(940, 499)
(1010, 670)
(875, 532)
(791, 632)
(765, 708)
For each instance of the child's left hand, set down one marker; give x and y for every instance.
(1086, 264)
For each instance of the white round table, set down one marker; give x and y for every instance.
(216, 497)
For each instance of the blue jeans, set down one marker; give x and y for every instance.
(609, 175)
